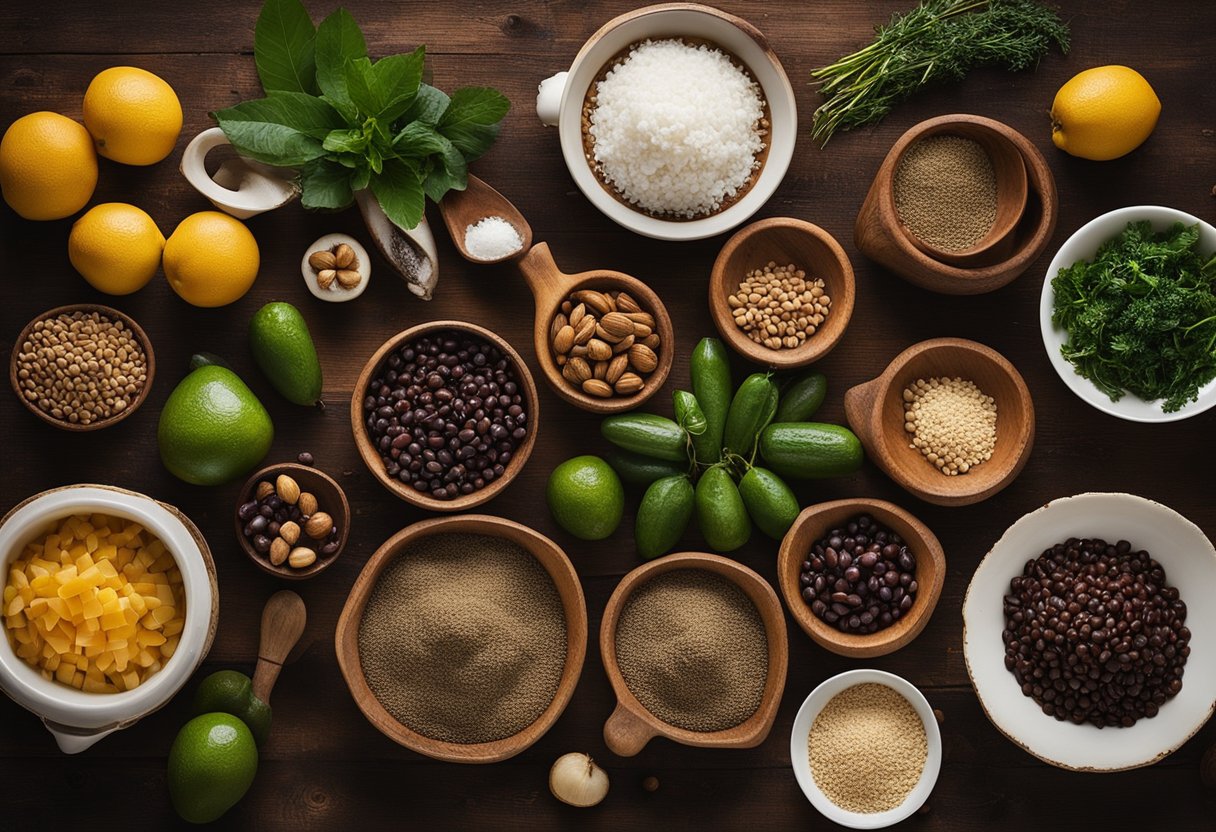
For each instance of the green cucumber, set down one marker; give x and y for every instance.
(720, 511)
(710, 371)
(639, 470)
(770, 502)
(801, 398)
(809, 450)
(752, 408)
(647, 434)
(666, 508)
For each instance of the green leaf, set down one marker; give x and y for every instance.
(428, 106)
(283, 44)
(345, 141)
(419, 139)
(360, 178)
(338, 40)
(396, 83)
(398, 190)
(256, 130)
(359, 85)
(325, 185)
(299, 111)
(471, 120)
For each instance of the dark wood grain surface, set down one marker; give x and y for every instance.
(325, 767)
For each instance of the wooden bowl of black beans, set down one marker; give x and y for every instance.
(861, 577)
(445, 415)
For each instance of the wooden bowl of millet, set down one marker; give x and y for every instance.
(296, 488)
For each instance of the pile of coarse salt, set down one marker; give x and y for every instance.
(492, 238)
(676, 129)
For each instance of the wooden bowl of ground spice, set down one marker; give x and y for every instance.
(695, 648)
(950, 420)
(781, 292)
(82, 367)
(463, 637)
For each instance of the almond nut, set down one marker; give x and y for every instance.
(584, 330)
(598, 350)
(279, 550)
(642, 331)
(643, 318)
(578, 350)
(307, 503)
(617, 325)
(577, 313)
(617, 366)
(349, 278)
(301, 557)
(580, 371)
(564, 340)
(651, 341)
(344, 257)
(643, 358)
(317, 526)
(326, 277)
(623, 344)
(320, 260)
(626, 303)
(287, 489)
(571, 375)
(600, 370)
(597, 302)
(264, 490)
(559, 321)
(628, 384)
(560, 359)
(595, 387)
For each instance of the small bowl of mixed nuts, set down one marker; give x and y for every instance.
(82, 367)
(336, 268)
(292, 520)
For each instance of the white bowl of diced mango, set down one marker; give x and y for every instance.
(109, 605)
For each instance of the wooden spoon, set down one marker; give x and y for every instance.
(460, 209)
(283, 620)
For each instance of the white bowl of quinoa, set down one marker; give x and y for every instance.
(676, 121)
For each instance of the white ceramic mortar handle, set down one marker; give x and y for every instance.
(549, 99)
(258, 188)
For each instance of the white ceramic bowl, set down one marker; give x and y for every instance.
(1190, 564)
(560, 104)
(1083, 245)
(75, 718)
(800, 753)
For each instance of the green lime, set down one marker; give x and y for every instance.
(231, 692)
(211, 765)
(586, 497)
(213, 429)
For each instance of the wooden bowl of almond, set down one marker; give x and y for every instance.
(292, 520)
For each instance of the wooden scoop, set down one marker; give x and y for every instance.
(476, 202)
(283, 620)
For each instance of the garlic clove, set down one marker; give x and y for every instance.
(576, 780)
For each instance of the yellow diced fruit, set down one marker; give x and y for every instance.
(94, 686)
(108, 598)
(104, 660)
(165, 594)
(163, 614)
(16, 576)
(91, 543)
(10, 592)
(131, 679)
(91, 607)
(169, 647)
(173, 627)
(65, 672)
(15, 606)
(75, 606)
(107, 569)
(150, 638)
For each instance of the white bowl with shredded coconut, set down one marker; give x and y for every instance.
(655, 146)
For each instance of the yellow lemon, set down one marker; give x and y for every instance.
(133, 115)
(48, 169)
(1104, 113)
(116, 247)
(211, 259)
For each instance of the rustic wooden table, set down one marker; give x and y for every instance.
(325, 767)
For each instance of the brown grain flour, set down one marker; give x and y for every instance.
(464, 638)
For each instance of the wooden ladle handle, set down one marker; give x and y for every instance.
(626, 733)
(859, 409)
(544, 278)
(283, 620)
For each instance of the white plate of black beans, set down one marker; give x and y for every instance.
(1087, 633)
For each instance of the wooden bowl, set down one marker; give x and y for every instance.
(816, 521)
(631, 725)
(371, 457)
(550, 556)
(783, 240)
(550, 286)
(330, 498)
(875, 412)
(880, 236)
(113, 315)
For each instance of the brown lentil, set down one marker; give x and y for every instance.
(691, 647)
(463, 638)
(777, 306)
(81, 367)
(868, 748)
(945, 192)
(952, 422)
(604, 343)
(1093, 633)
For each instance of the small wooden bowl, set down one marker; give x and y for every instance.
(330, 498)
(880, 236)
(816, 521)
(371, 457)
(631, 726)
(783, 240)
(875, 412)
(560, 569)
(113, 315)
(550, 286)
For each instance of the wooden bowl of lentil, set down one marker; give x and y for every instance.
(788, 327)
(632, 725)
(35, 345)
(876, 413)
(816, 521)
(559, 568)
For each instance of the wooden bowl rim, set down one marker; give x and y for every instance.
(819, 344)
(114, 315)
(960, 490)
(296, 471)
(346, 637)
(756, 727)
(371, 458)
(899, 634)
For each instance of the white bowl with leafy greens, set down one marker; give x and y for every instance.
(1128, 314)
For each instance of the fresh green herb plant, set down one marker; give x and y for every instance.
(939, 40)
(1141, 316)
(347, 123)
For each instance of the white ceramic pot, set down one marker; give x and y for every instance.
(77, 719)
(559, 103)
